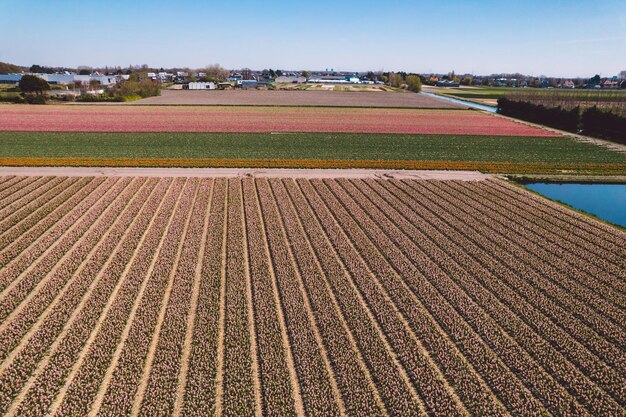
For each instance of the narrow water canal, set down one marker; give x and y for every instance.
(471, 104)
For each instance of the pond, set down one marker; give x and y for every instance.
(606, 201)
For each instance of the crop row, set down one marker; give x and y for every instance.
(201, 385)
(584, 275)
(44, 283)
(81, 382)
(22, 188)
(276, 368)
(482, 249)
(27, 248)
(387, 261)
(595, 237)
(363, 398)
(598, 287)
(420, 387)
(552, 361)
(161, 382)
(27, 214)
(228, 297)
(126, 383)
(43, 195)
(487, 272)
(17, 188)
(563, 215)
(61, 328)
(525, 286)
(542, 273)
(318, 383)
(128, 260)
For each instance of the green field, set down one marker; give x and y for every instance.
(538, 93)
(303, 146)
(477, 92)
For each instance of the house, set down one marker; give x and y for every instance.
(568, 84)
(165, 77)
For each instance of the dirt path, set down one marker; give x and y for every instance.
(243, 172)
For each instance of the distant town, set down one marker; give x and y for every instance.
(95, 79)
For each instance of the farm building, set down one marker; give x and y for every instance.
(201, 86)
(248, 83)
(10, 78)
(290, 79)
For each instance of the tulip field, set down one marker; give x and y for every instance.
(301, 296)
(255, 119)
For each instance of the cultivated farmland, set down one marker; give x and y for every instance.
(497, 154)
(354, 296)
(298, 98)
(257, 119)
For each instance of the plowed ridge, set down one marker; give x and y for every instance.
(311, 296)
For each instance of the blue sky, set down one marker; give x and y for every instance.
(549, 37)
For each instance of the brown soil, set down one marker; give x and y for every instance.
(297, 98)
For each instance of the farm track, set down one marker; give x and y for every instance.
(282, 296)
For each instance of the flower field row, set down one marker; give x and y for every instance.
(293, 296)
(487, 167)
(265, 119)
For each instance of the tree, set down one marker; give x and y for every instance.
(306, 74)
(395, 80)
(33, 84)
(467, 80)
(414, 83)
(216, 73)
(453, 77)
(595, 80)
(272, 73)
(94, 85)
(40, 69)
(246, 73)
(6, 68)
(279, 73)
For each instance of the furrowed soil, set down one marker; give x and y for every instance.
(295, 293)
(297, 98)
